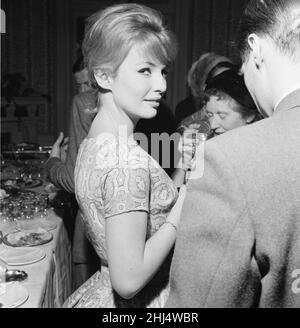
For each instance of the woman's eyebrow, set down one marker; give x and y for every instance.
(152, 64)
(146, 63)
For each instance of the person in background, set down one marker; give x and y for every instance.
(189, 113)
(81, 76)
(227, 105)
(130, 205)
(207, 66)
(238, 238)
(60, 168)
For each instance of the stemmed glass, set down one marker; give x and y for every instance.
(4, 211)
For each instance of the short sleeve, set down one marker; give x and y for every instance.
(126, 189)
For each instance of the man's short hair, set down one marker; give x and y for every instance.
(279, 20)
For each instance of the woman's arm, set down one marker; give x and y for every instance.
(132, 261)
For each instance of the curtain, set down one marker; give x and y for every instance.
(27, 46)
(214, 26)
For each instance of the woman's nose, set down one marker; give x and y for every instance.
(214, 123)
(160, 83)
(81, 89)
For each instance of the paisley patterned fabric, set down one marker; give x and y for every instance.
(113, 177)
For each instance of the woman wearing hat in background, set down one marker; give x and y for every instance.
(208, 65)
(227, 104)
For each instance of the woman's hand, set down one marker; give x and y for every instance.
(60, 147)
(187, 146)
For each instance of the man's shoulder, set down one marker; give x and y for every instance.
(243, 136)
(271, 140)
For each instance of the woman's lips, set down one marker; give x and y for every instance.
(154, 103)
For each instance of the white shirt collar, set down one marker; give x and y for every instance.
(286, 94)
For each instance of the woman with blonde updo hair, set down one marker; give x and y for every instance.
(131, 208)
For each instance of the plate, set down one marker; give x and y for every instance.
(13, 295)
(48, 225)
(22, 255)
(32, 183)
(12, 183)
(28, 238)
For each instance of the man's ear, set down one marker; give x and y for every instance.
(103, 79)
(256, 45)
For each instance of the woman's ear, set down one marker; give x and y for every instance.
(103, 79)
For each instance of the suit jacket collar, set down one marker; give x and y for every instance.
(292, 100)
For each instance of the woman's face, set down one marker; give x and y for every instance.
(82, 81)
(223, 115)
(139, 85)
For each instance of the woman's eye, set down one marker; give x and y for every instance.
(209, 114)
(222, 116)
(146, 71)
(165, 73)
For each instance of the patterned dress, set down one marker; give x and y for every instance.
(113, 177)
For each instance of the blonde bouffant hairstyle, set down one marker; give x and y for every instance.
(112, 32)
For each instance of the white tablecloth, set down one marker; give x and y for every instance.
(49, 281)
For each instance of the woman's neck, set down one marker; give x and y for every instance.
(110, 119)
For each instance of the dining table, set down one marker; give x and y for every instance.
(45, 257)
(49, 280)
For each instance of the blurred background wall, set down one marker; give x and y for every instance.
(42, 38)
